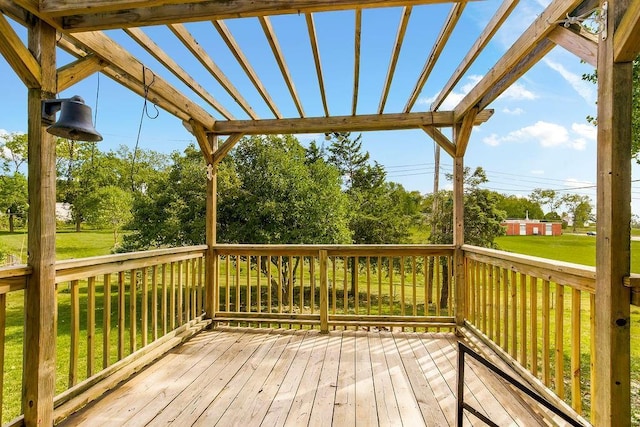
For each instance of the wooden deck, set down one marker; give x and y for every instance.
(265, 377)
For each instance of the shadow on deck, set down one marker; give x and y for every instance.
(251, 377)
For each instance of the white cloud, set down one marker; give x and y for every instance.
(518, 92)
(537, 172)
(585, 89)
(585, 130)
(515, 112)
(576, 183)
(546, 134)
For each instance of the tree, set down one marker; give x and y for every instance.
(109, 208)
(550, 198)
(482, 219)
(519, 207)
(13, 183)
(579, 209)
(346, 154)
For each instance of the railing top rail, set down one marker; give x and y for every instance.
(362, 250)
(14, 271)
(129, 256)
(565, 273)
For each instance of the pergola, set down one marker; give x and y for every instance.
(77, 27)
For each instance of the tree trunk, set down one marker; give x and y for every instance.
(78, 222)
(11, 224)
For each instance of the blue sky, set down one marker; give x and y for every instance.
(538, 136)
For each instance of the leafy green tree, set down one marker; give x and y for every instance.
(482, 219)
(549, 198)
(519, 207)
(13, 183)
(347, 155)
(579, 209)
(109, 208)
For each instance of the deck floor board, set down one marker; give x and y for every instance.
(275, 377)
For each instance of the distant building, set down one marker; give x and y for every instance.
(531, 227)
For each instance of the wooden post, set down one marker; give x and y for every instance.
(40, 297)
(211, 273)
(458, 238)
(612, 405)
(324, 294)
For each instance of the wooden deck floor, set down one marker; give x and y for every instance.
(261, 377)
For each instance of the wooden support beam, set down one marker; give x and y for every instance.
(277, 53)
(128, 81)
(440, 139)
(489, 31)
(582, 47)
(356, 61)
(108, 50)
(526, 43)
(402, 29)
(203, 140)
(463, 133)
(438, 47)
(246, 66)
(107, 14)
(627, 36)
(18, 56)
(611, 405)
(458, 235)
(156, 51)
(78, 70)
(363, 123)
(201, 55)
(227, 146)
(316, 58)
(40, 308)
(211, 265)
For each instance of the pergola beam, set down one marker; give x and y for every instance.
(438, 47)
(227, 146)
(169, 63)
(356, 61)
(582, 47)
(362, 123)
(440, 139)
(402, 30)
(18, 56)
(626, 43)
(108, 14)
(107, 49)
(78, 70)
(528, 42)
(489, 31)
(316, 58)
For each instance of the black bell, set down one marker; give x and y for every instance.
(74, 122)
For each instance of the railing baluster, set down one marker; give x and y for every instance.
(248, 310)
(414, 299)
(497, 307)
(144, 323)
(368, 285)
(290, 287)
(546, 334)
(523, 319)
(345, 287)
(3, 334)
(514, 312)
(91, 325)
(106, 320)
(164, 297)
(258, 282)
(355, 281)
(324, 293)
(593, 348)
(559, 377)
(132, 311)
(505, 308)
(186, 302)
(533, 289)
(391, 295)
(74, 349)
(576, 395)
(154, 302)
(279, 285)
(490, 299)
(121, 314)
(452, 286)
(301, 296)
(379, 285)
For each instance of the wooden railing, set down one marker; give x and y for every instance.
(539, 314)
(335, 286)
(115, 313)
